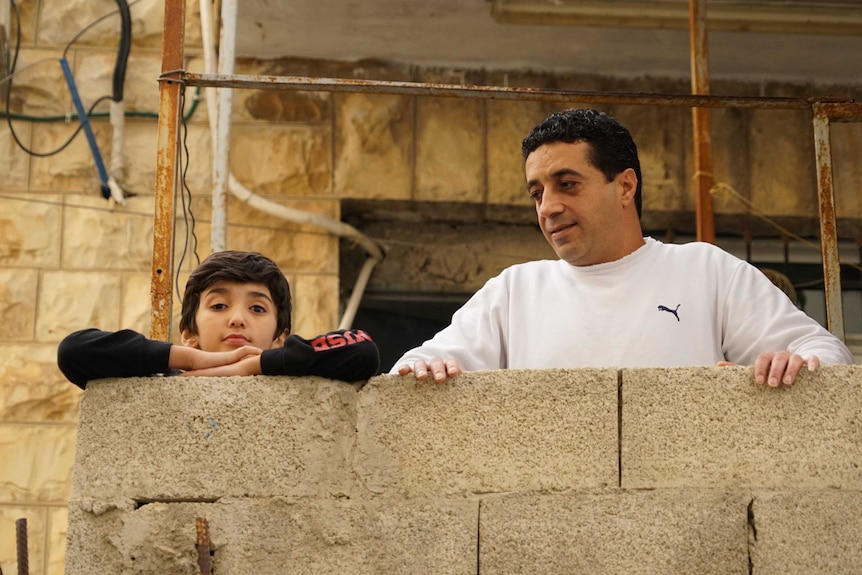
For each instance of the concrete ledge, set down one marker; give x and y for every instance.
(489, 432)
(694, 470)
(182, 438)
(711, 427)
(644, 532)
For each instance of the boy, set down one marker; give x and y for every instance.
(235, 321)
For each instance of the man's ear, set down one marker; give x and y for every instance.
(279, 341)
(190, 339)
(628, 185)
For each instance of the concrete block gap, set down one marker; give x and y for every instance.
(619, 429)
(142, 502)
(752, 534)
(479, 539)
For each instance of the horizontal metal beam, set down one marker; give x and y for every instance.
(492, 92)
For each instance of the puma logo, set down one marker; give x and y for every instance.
(673, 311)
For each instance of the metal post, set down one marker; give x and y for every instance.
(702, 140)
(21, 540)
(166, 169)
(828, 227)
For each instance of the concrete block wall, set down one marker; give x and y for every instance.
(68, 259)
(689, 470)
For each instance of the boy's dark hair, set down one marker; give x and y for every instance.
(239, 267)
(612, 149)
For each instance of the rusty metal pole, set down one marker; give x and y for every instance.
(203, 546)
(828, 226)
(21, 544)
(702, 138)
(170, 89)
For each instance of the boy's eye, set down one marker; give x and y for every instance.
(258, 308)
(218, 306)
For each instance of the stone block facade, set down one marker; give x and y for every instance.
(69, 259)
(494, 472)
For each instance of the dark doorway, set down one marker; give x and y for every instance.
(398, 323)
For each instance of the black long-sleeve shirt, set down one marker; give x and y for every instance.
(348, 355)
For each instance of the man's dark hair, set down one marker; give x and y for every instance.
(239, 267)
(612, 149)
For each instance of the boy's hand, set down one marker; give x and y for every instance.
(249, 365)
(191, 359)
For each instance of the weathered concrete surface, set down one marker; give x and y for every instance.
(486, 432)
(644, 532)
(493, 472)
(275, 535)
(807, 532)
(205, 438)
(715, 428)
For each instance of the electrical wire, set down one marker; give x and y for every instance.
(119, 77)
(185, 193)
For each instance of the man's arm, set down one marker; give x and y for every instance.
(766, 330)
(474, 340)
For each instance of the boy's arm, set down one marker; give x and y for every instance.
(94, 354)
(348, 355)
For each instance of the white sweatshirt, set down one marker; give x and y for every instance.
(664, 305)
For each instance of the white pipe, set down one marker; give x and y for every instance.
(221, 166)
(118, 123)
(356, 296)
(331, 225)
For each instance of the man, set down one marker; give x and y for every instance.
(615, 298)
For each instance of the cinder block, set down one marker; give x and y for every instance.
(807, 533)
(643, 532)
(204, 438)
(714, 427)
(275, 535)
(488, 432)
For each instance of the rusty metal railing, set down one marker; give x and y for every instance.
(823, 112)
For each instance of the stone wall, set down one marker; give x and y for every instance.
(688, 470)
(69, 259)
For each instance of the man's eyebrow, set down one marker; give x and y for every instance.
(556, 175)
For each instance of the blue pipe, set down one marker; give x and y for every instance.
(88, 129)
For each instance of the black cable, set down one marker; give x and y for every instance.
(187, 210)
(123, 51)
(62, 147)
(90, 26)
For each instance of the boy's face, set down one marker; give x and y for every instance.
(231, 315)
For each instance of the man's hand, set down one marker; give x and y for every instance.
(249, 365)
(439, 368)
(776, 368)
(191, 359)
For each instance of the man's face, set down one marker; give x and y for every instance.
(231, 315)
(581, 214)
